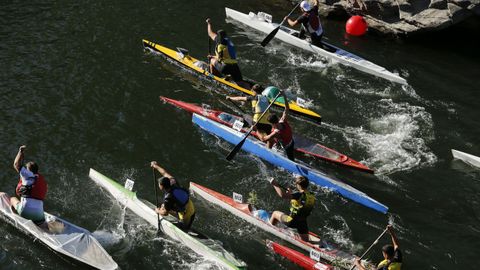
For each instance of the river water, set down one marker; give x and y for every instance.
(78, 89)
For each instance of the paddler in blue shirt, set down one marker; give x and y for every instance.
(259, 105)
(301, 205)
(31, 188)
(224, 62)
(176, 200)
(392, 256)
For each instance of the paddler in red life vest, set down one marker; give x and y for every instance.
(301, 205)
(310, 22)
(31, 188)
(281, 132)
(224, 62)
(392, 256)
(176, 200)
(259, 105)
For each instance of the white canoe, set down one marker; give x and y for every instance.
(468, 158)
(262, 22)
(196, 242)
(67, 239)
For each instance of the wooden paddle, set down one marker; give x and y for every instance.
(237, 147)
(272, 34)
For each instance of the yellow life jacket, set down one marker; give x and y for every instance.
(223, 55)
(302, 206)
(390, 265)
(259, 105)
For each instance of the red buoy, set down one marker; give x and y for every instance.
(356, 26)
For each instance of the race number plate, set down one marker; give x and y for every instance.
(129, 184)
(238, 198)
(237, 125)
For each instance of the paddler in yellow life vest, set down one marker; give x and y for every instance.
(259, 105)
(301, 204)
(176, 200)
(224, 62)
(392, 256)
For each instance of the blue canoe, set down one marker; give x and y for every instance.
(280, 160)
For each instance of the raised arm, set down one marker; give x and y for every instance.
(161, 170)
(287, 108)
(211, 34)
(280, 192)
(17, 162)
(394, 237)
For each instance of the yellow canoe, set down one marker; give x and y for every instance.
(192, 64)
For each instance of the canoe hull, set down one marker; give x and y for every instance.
(68, 239)
(302, 145)
(333, 54)
(190, 64)
(130, 200)
(465, 157)
(244, 211)
(297, 257)
(279, 159)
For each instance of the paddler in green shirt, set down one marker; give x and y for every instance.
(259, 105)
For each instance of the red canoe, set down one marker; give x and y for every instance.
(297, 257)
(302, 144)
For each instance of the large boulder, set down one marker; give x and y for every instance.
(404, 17)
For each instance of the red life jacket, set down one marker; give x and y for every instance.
(313, 20)
(37, 191)
(285, 133)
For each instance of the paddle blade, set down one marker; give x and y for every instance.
(235, 150)
(270, 36)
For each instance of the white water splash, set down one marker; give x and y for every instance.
(396, 140)
(312, 62)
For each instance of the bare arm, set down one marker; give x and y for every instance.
(358, 264)
(394, 237)
(161, 170)
(291, 22)
(269, 136)
(211, 34)
(281, 193)
(237, 98)
(17, 163)
(287, 108)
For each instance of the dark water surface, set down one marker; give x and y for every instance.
(78, 89)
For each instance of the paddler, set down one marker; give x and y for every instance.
(224, 62)
(176, 200)
(301, 205)
(310, 22)
(281, 132)
(31, 188)
(259, 105)
(392, 256)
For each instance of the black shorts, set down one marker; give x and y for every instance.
(231, 69)
(290, 150)
(299, 224)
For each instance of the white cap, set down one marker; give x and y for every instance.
(305, 6)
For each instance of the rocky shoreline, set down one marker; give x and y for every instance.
(404, 17)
